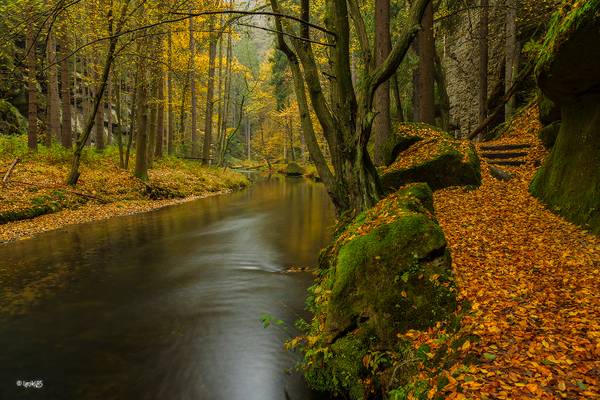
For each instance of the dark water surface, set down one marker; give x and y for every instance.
(163, 305)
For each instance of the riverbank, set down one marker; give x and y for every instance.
(35, 198)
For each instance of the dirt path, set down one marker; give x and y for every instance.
(534, 282)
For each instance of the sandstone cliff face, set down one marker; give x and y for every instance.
(461, 56)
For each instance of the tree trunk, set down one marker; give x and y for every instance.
(81, 141)
(100, 126)
(32, 88)
(346, 122)
(152, 125)
(511, 55)
(134, 112)
(382, 124)
(399, 115)
(52, 109)
(483, 60)
(170, 113)
(121, 124)
(219, 95)
(65, 83)
(425, 93)
(440, 80)
(141, 161)
(109, 111)
(208, 120)
(192, 79)
(227, 101)
(160, 119)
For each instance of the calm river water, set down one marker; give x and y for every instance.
(163, 305)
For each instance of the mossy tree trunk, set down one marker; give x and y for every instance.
(346, 115)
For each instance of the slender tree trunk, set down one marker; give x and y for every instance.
(426, 46)
(208, 120)
(121, 123)
(511, 54)
(170, 113)
(134, 112)
(100, 126)
(65, 83)
(440, 80)
(382, 123)
(160, 119)
(248, 139)
(483, 60)
(399, 115)
(32, 88)
(52, 109)
(223, 134)
(219, 95)
(152, 125)
(141, 154)
(74, 173)
(109, 111)
(195, 147)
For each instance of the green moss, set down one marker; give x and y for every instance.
(293, 169)
(571, 15)
(340, 368)
(565, 182)
(45, 204)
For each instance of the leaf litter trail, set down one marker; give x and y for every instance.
(533, 280)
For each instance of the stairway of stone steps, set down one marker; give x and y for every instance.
(505, 154)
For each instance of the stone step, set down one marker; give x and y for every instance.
(513, 163)
(503, 156)
(502, 147)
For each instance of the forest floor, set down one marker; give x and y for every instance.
(35, 197)
(533, 281)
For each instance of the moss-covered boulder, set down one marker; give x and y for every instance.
(387, 272)
(568, 73)
(293, 169)
(11, 120)
(392, 270)
(436, 159)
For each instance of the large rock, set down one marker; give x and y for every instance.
(548, 134)
(436, 159)
(293, 169)
(568, 73)
(387, 272)
(11, 120)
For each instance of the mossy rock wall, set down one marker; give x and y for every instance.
(569, 180)
(568, 73)
(387, 272)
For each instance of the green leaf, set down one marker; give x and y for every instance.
(489, 356)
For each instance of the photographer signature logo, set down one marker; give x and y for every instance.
(37, 384)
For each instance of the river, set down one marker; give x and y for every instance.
(166, 304)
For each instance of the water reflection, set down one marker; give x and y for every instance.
(164, 305)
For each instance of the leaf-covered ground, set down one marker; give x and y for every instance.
(37, 186)
(533, 281)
